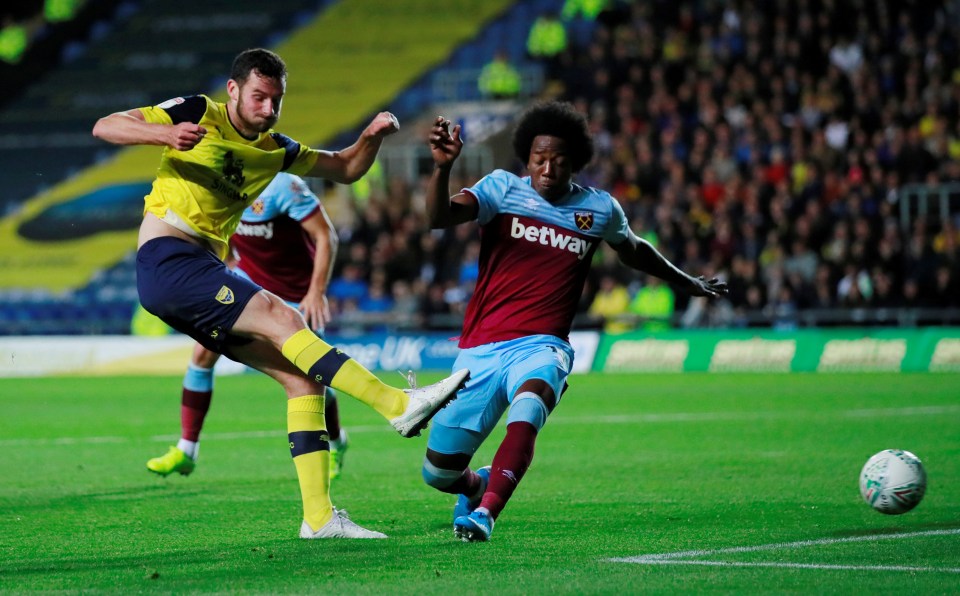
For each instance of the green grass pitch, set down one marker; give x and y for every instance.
(755, 474)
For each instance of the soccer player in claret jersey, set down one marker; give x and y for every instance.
(217, 158)
(538, 235)
(286, 243)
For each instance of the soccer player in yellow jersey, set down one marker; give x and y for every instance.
(217, 158)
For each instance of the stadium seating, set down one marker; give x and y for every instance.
(128, 60)
(706, 123)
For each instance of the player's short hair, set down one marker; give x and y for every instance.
(556, 119)
(266, 63)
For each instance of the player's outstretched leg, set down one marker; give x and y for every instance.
(424, 402)
(408, 410)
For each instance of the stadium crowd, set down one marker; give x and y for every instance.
(765, 141)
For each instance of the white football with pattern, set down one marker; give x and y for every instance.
(893, 481)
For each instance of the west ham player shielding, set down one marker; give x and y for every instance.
(538, 235)
(286, 243)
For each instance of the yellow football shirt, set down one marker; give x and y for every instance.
(209, 186)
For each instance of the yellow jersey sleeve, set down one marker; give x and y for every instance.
(298, 159)
(177, 110)
(155, 115)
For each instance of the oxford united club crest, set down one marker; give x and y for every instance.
(225, 295)
(583, 219)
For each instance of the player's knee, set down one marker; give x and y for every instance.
(438, 478)
(204, 358)
(528, 407)
(297, 385)
(285, 316)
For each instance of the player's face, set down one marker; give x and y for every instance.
(549, 167)
(258, 102)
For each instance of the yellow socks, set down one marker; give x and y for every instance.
(331, 367)
(310, 449)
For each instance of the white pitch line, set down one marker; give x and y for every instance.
(693, 557)
(805, 566)
(561, 420)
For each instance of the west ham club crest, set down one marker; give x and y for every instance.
(583, 219)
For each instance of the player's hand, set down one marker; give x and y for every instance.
(445, 144)
(315, 310)
(384, 124)
(711, 288)
(185, 136)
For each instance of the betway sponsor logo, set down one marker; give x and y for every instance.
(647, 355)
(264, 230)
(863, 354)
(946, 356)
(550, 237)
(753, 355)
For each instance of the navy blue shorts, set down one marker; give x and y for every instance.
(192, 291)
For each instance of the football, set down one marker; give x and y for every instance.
(893, 481)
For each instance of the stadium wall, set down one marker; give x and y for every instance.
(833, 350)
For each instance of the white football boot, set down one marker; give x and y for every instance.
(339, 526)
(427, 401)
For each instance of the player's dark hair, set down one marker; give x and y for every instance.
(556, 119)
(265, 62)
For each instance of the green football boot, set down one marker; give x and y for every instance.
(172, 461)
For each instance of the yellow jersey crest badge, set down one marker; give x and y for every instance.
(225, 295)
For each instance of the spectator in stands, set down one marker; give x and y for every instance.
(546, 41)
(405, 311)
(349, 285)
(610, 304)
(586, 9)
(499, 79)
(434, 309)
(13, 40)
(653, 305)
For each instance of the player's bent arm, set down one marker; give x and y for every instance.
(346, 166)
(131, 128)
(444, 211)
(349, 165)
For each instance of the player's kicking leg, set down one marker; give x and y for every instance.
(195, 399)
(408, 410)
